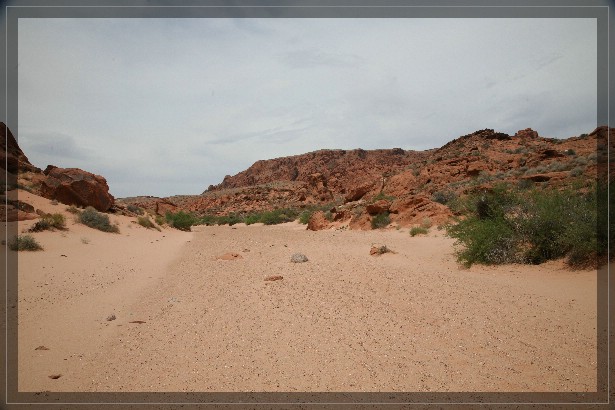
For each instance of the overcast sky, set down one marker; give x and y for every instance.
(169, 106)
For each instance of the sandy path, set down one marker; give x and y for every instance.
(67, 291)
(344, 321)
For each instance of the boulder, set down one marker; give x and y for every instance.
(358, 192)
(378, 207)
(74, 186)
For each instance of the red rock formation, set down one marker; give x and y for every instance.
(10, 152)
(318, 222)
(73, 186)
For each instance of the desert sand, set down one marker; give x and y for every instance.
(189, 320)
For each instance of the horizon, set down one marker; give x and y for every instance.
(106, 95)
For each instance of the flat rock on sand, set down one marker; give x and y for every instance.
(230, 256)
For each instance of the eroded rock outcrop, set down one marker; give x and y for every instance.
(74, 186)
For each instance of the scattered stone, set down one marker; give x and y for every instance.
(379, 250)
(137, 321)
(41, 347)
(230, 256)
(111, 317)
(298, 258)
(55, 376)
(274, 277)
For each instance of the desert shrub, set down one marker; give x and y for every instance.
(49, 222)
(135, 209)
(512, 226)
(380, 249)
(570, 152)
(160, 220)
(146, 222)
(381, 220)
(418, 230)
(576, 172)
(556, 166)
(525, 184)
(181, 220)
(426, 223)
(278, 216)
(444, 197)
(305, 216)
(329, 215)
(94, 219)
(73, 209)
(382, 195)
(24, 243)
(252, 219)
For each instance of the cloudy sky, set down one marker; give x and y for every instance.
(168, 106)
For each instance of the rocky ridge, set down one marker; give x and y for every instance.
(411, 187)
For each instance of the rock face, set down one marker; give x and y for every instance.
(417, 185)
(326, 172)
(14, 156)
(73, 186)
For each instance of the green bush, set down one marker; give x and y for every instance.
(230, 219)
(181, 220)
(418, 230)
(94, 219)
(278, 216)
(24, 243)
(305, 216)
(381, 220)
(533, 226)
(252, 219)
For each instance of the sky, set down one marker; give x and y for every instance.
(169, 106)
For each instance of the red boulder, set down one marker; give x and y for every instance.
(73, 186)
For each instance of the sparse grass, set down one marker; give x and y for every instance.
(72, 209)
(135, 209)
(418, 230)
(85, 240)
(382, 196)
(576, 172)
(24, 243)
(160, 220)
(146, 222)
(381, 220)
(94, 219)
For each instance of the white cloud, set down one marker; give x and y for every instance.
(185, 102)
